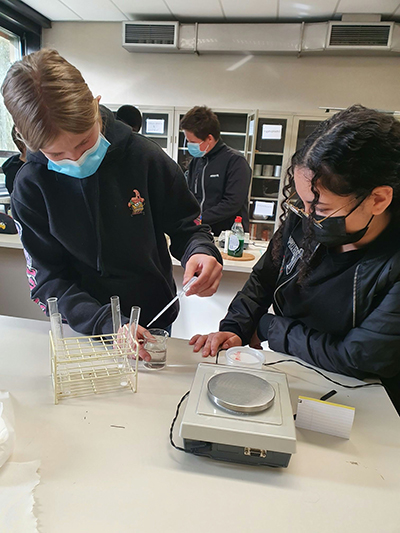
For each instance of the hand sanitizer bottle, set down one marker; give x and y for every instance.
(236, 239)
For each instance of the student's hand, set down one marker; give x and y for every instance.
(143, 354)
(140, 338)
(209, 273)
(212, 342)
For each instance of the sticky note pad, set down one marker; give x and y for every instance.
(324, 417)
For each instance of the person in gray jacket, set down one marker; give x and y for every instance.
(218, 176)
(332, 271)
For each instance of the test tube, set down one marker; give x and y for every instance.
(52, 305)
(134, 320)
(133, 325)
(116, 313)
(56, 327)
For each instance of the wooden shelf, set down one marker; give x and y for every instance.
(267, 177)
(266, 198)
(240, 151)
(238, 133)
(268, 153)
(233, 133)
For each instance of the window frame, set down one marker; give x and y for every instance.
(25, 22)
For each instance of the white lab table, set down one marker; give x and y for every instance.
(10, 241)
(107, 465)
(198, 315)
(14, 289)
(202, 315)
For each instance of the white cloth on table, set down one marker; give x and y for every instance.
(17, 482)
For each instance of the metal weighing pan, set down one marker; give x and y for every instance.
(240, 392)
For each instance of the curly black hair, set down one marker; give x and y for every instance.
(350, 153)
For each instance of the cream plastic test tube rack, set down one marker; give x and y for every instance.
(94, 364)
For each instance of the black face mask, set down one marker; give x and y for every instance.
(333, 230)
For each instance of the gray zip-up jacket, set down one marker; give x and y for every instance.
(220, 181)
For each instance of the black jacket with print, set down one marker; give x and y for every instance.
(371, 347)
(84, 243)
(220, 181)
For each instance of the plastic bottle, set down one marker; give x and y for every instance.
(236, 239)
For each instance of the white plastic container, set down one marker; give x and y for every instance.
(245, 357)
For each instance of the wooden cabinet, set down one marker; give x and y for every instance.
(157, 124)
(267, 154)
(304, 126)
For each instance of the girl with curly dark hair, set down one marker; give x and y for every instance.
(332, 270)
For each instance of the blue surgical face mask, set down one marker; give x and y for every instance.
(194, 149)
(86, 165)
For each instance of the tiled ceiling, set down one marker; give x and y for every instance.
(212, 10)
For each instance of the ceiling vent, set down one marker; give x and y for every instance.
(359, 35)
(355, 37)
(150, 36)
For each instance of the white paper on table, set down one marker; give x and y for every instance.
(324, 417)
(263, 209)
(7, 423)
(155, 125)
(271, 131)
(17, 482)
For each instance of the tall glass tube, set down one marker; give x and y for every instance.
(116, 313)
(134, 320)
(52, 305)
(133, 326)
(56, 327)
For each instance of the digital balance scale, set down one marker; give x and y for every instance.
(239, 415)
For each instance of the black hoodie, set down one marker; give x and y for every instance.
(84, 243)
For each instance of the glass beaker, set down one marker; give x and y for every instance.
(155, 343)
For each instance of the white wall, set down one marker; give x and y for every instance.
(265, 82)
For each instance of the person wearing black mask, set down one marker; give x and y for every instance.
(332, 270)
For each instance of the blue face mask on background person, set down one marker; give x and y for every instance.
(194, 149)
(86, 165)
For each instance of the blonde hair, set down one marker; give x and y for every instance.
(45, 96)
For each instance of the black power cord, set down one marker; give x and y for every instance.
(171, 437)
(314, 369)
(323, 375)
(171, 430)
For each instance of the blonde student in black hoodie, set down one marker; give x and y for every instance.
(94, 201)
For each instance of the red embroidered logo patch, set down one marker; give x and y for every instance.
(136, 204)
